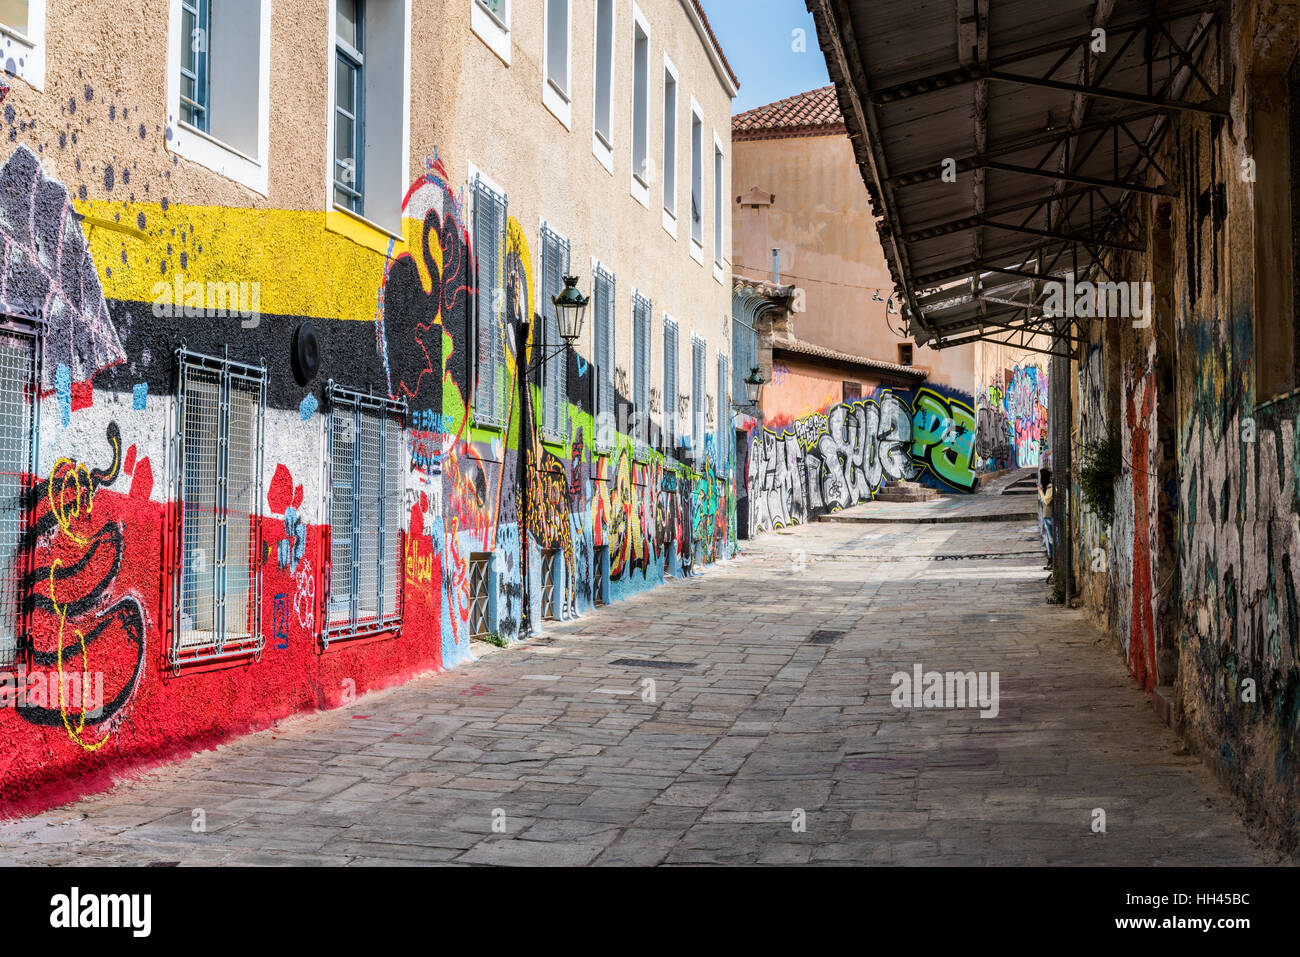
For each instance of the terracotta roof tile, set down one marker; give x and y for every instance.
(814, 113)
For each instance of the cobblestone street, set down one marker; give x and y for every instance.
(771, 696)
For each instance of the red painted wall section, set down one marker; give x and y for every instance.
(101, 551)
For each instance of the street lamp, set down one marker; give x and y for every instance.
(753, 389)
(570, 310)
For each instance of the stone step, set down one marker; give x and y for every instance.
(906, 492)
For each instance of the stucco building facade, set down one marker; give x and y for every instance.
(285, 413)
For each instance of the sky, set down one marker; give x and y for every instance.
(771, 59)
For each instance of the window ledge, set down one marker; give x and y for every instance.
(670, 224)
(640, 191)
(554, 99)
(493, 33)
(719, 273)
(221, 158)
(27, 50)
(364, 232)
(603, 151)
(697, 250)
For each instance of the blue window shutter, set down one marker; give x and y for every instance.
(485, 262)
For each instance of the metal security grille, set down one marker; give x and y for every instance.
(490, 344)
(19, 365)
(671, 390)
(549, 609)
(723, 424)
(555, 387)
(641, 371)
(744, 346)
(366, 495)
(219, 449)
(604, 349)
(697, 396)
(478, 593)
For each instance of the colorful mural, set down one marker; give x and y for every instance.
(841, 456)
(1011, 419)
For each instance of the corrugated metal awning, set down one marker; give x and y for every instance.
(1003, 142)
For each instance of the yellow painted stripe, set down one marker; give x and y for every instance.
(319, 264)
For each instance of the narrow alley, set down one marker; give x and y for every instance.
(742, 716)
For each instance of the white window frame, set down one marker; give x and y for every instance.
(19, 465)
(552, 432)
(491, 29)
(558, 101)
(477, 414)
(394, 227)
(697, 245)
(602, 148)
(27, 49)
(641, 403)
(207, 150)
(224, 641)
(719, 210)
(670, 215)
(605, 420)
(640, 186)
(672, 417)
(347, 582)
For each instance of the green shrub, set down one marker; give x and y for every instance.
(1102, 464)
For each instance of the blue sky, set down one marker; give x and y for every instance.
(759, 40)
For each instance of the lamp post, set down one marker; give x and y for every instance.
(754, 383)
(570, 311)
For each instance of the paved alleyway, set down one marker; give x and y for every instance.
(772, 693)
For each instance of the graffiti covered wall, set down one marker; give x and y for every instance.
(841, 456)
(122, 283)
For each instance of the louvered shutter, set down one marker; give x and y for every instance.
(604, 358)
(670, 385)
(724, 410)
(641, 367)
(485, 257)
(697, 397)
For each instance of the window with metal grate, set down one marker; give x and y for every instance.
(723, 424)
(220, 440)
(671, 390)
(555, 387)
(19, 365)
(604, 358)
(366, 497)
(479, 563)
(641, 313)
(697, 397)
(490, 335)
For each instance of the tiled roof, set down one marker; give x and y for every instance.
(814, 113)
(880, 365)
(716, 45)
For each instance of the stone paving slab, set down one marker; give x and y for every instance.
(528, 756)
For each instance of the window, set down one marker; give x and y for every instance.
(640, 108)
(603, 351)
(718, 193)
(555, 67)
(349, 104)
(479, 605)
(371, 66)
(490, 20)
(850, 391)
(555, 388)
(697, 397)
(19, 388)
(904, 353)
(489, 214)
(220, 422)
(218, 86)
(641, 313)
(744, 346)
(550, 568)
(671, 390)
(194, 63)
(22, 40)
(697, 181)
(670, 148)
(723, 423)
(602, 142)
(366, 500)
